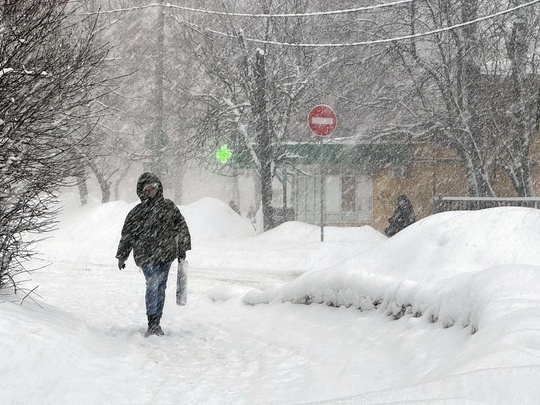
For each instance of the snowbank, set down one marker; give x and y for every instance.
(451, 267)
(462, 286)
(90, 234)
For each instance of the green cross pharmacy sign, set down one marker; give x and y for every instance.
(224, 154)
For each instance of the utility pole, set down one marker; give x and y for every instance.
(157, 140)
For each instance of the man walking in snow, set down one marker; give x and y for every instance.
(157, 232)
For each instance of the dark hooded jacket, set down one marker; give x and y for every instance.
(403, 216)
(155, 229)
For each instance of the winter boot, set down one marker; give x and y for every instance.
(153, 326)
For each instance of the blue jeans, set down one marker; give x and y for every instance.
(156, 275)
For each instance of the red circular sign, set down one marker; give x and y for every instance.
(322, 120)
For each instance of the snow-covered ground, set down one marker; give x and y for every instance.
(446, 312)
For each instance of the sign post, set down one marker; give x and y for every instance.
(322, 121)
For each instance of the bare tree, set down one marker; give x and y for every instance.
(471, 88)
(521, 37)
(254, 90)
(121, 116)
(48, 70)
(142, 117)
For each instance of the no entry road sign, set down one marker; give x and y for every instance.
(322, 120)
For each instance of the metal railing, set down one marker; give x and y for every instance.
(478, 203)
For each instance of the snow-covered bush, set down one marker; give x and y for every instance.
(47, 79)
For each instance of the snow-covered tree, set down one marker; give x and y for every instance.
(122, 115)
(253, 90)
(473, 88)
(47, 76)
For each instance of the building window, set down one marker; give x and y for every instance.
(348, 194)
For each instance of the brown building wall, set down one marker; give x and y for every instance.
(434, 171)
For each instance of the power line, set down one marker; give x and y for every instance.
(372, 42)
(317, 13)
(225, 13)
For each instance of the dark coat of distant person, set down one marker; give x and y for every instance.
(403, 216)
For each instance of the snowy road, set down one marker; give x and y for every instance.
(86, 344)
(219, 350)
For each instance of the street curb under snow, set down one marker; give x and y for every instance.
(485, 300)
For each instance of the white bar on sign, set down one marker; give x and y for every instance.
(322, 121)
